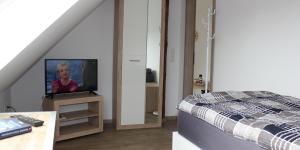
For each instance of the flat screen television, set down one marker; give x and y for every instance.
(70, 75)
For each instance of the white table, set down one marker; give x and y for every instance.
(41, 138)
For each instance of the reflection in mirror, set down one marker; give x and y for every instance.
(202, 45)
(153, 60)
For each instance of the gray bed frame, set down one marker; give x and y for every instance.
(208, 137)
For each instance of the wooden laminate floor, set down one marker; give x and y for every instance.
(110, 139)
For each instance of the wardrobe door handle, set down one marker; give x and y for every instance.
(134, 60)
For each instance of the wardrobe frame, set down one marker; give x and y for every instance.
(118, 54)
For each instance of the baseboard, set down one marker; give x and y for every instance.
(170, 118)
(167, 118)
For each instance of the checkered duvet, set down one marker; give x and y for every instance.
(269, 119)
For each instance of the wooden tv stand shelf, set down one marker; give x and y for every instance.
(93, 115)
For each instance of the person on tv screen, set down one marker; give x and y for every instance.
(64, 84)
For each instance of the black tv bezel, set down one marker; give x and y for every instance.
(45, 79)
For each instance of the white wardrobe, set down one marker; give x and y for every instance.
(131, 42)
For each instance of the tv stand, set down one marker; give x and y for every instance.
(51, 96)
(93, 115)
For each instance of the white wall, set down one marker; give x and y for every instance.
(92, 38)
(175, 56)
(4, 99)
(257, 46)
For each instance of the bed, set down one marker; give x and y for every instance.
(248, 120)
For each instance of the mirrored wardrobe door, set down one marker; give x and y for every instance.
(153, 61)
(202, 49)
(198, 46)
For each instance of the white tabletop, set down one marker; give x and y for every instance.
(41, 138)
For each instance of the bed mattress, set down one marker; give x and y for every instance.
(270, 120)
(208, 137)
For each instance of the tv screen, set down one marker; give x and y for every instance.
(70, 75)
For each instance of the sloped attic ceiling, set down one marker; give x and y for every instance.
(30, 28)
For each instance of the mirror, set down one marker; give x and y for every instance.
(153, 61)
(203, 27)
(199, 29)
